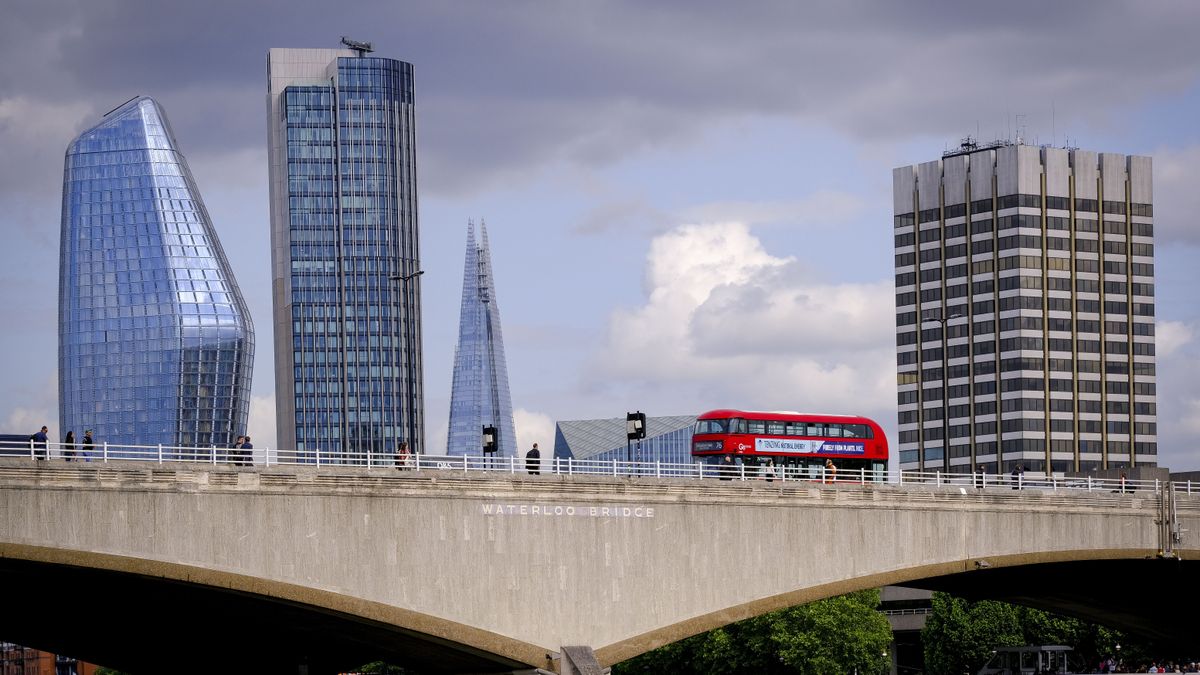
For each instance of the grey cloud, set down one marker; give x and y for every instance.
(504, 89)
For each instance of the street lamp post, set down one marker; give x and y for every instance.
(409, 403)
(941, 318)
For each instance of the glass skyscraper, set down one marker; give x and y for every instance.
(155, 343)
(1025, 310)
(344, 249)
(479, 391)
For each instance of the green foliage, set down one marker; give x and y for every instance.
(838, 635)
(959, 635)
(380, 668)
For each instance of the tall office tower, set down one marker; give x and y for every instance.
(479, 393)
(155, 344)
(344, 252)
(1025, 310)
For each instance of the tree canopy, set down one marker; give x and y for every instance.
(837, 635)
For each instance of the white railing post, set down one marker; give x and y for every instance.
(570, 466)
(318, 453)
(214, 454)
(160, 453)
(106, 452)
(939, 477)
(266, 457)
(658, 468)
(862, 476)
(1089, 483)
(370, 463)
(614, 466)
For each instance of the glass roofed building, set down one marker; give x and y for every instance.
(155, 343)
(668, 440)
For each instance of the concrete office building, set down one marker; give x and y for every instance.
(1025, 310)
(155, 345)
(479, 393)
(668, 440)
(344, 251)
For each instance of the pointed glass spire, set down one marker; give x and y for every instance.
(479, 393)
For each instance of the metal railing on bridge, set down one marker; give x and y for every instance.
(266, 457)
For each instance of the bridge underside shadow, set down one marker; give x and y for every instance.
(1153, 598)
(141, 624)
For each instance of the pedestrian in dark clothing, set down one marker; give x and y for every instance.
(726, 468)
(88, 444)
(41, 444)
(533, 461)
(236, 451)
(247, 452)
(69, 446)
(1017, 472)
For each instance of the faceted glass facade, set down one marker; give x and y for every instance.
(668, 440)
(344, 241)
(1025, 311)
(155, 343)
(479, 391)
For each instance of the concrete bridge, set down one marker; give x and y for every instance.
(198, 568)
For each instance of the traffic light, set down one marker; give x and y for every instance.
(635, 425)
(489, 439)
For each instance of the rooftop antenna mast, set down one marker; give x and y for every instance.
(362, 48)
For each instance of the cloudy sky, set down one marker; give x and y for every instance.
(688, 202)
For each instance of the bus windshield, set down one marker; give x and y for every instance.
(712, 426)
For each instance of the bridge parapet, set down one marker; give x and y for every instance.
(515, 566)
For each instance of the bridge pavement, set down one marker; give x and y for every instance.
(458, 573)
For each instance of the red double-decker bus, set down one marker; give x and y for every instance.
(798, 442)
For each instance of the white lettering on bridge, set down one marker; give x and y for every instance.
(547, 510)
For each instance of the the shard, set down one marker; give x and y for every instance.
(479, 395)
(155, 343)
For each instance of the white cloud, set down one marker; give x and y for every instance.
(726, 324)
(534, 427)
(1170, 336)
(261, 425)
(39, 406)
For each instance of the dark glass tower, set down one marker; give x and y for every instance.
(155, 343)
(344, 251)
(479, 391)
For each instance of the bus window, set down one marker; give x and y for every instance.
(776, 428)
(815, 429)
(795, 429)
(712, 426)
(756, 427)
(833, 430)
(855, 430)
(737, 425)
